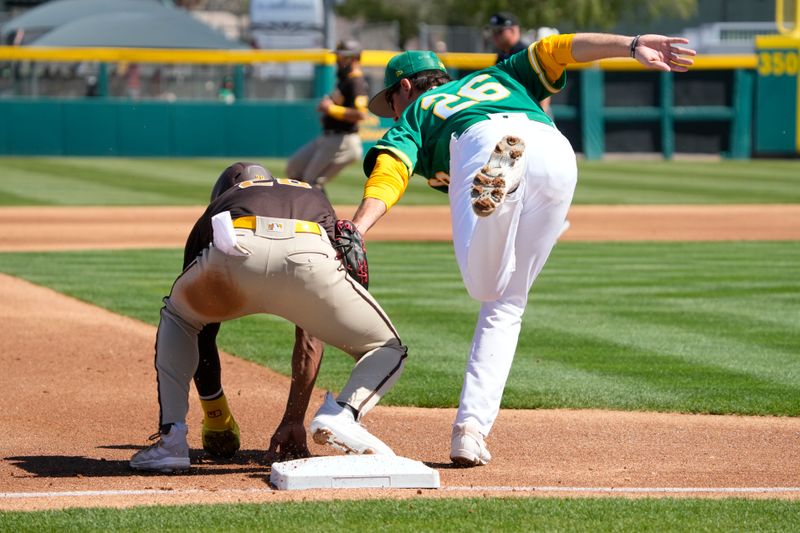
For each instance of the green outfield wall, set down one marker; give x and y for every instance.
(124, 128)
(609, 106)
(777, 129)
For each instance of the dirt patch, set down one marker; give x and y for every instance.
(65, 228)
(82, 389)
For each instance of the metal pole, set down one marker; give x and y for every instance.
(329, 24)
(324, 74)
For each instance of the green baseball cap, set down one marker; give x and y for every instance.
(399, 67)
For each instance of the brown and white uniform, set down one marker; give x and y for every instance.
(292, 272)
(322, 158)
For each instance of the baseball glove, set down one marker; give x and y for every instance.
(351, 251)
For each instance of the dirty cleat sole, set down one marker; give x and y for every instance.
(223, 443)
(335, 426)
(325, 436)
(499, 176)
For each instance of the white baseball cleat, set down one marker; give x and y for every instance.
(169, 454)
(467, 447)
(499, 176)
(335, 425)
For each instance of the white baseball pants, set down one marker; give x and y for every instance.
(500, 255)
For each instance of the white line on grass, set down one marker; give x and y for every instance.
(472, 488)
(475, 488)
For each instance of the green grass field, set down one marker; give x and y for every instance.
(423, 515)
(686, 327)
(701, 327)
(111, 181)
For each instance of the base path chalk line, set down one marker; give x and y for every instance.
(622, 490)
(471, 488)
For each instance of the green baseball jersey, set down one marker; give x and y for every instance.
(421, 137)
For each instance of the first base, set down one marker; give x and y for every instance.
(353, 472)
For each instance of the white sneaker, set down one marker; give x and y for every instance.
(467, 447)
(335, 425)
(169, 454)
(499, 176)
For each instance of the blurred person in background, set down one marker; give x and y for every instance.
(507, 38)
(226, 93)
(321, 159)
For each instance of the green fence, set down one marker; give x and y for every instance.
(778, 101)
(612, 105)
(731, 112)
(124, 128)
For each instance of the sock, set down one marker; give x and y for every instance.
(216, 413)
(350, 408)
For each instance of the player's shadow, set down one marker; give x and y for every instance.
(442, 466)
(65, 466)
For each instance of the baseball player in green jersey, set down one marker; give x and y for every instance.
(510, 175)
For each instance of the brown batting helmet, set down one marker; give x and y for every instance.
(237, 173)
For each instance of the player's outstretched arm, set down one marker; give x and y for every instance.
(368, 213)
(289, 440)
(656, 52)
(386, 183)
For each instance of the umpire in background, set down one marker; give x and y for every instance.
(506, 35)
(264, 245)
(321, 159)
(507, 38)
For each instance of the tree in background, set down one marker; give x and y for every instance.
(567, 15)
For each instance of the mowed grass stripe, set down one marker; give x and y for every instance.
(611, 376)
(695, 189)
(613, 188)
(9, 198)
(686, 327)
(429, 514)
(115, 182)
(40, 188)
(689, 182)
(152, 181)
(739, 318)
(776, 171)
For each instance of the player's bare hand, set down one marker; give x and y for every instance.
(664, 53)
(288, 442)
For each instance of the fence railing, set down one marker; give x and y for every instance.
(585, 113)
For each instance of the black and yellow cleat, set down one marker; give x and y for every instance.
(221, 443)
(220, 432)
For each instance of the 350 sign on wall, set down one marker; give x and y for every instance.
(778, 63)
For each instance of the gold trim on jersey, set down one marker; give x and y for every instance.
(534, 61)
(400, 155)
(549, 57)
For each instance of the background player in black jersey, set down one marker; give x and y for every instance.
(339, 144)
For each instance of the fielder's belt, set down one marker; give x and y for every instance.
(300, 226)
